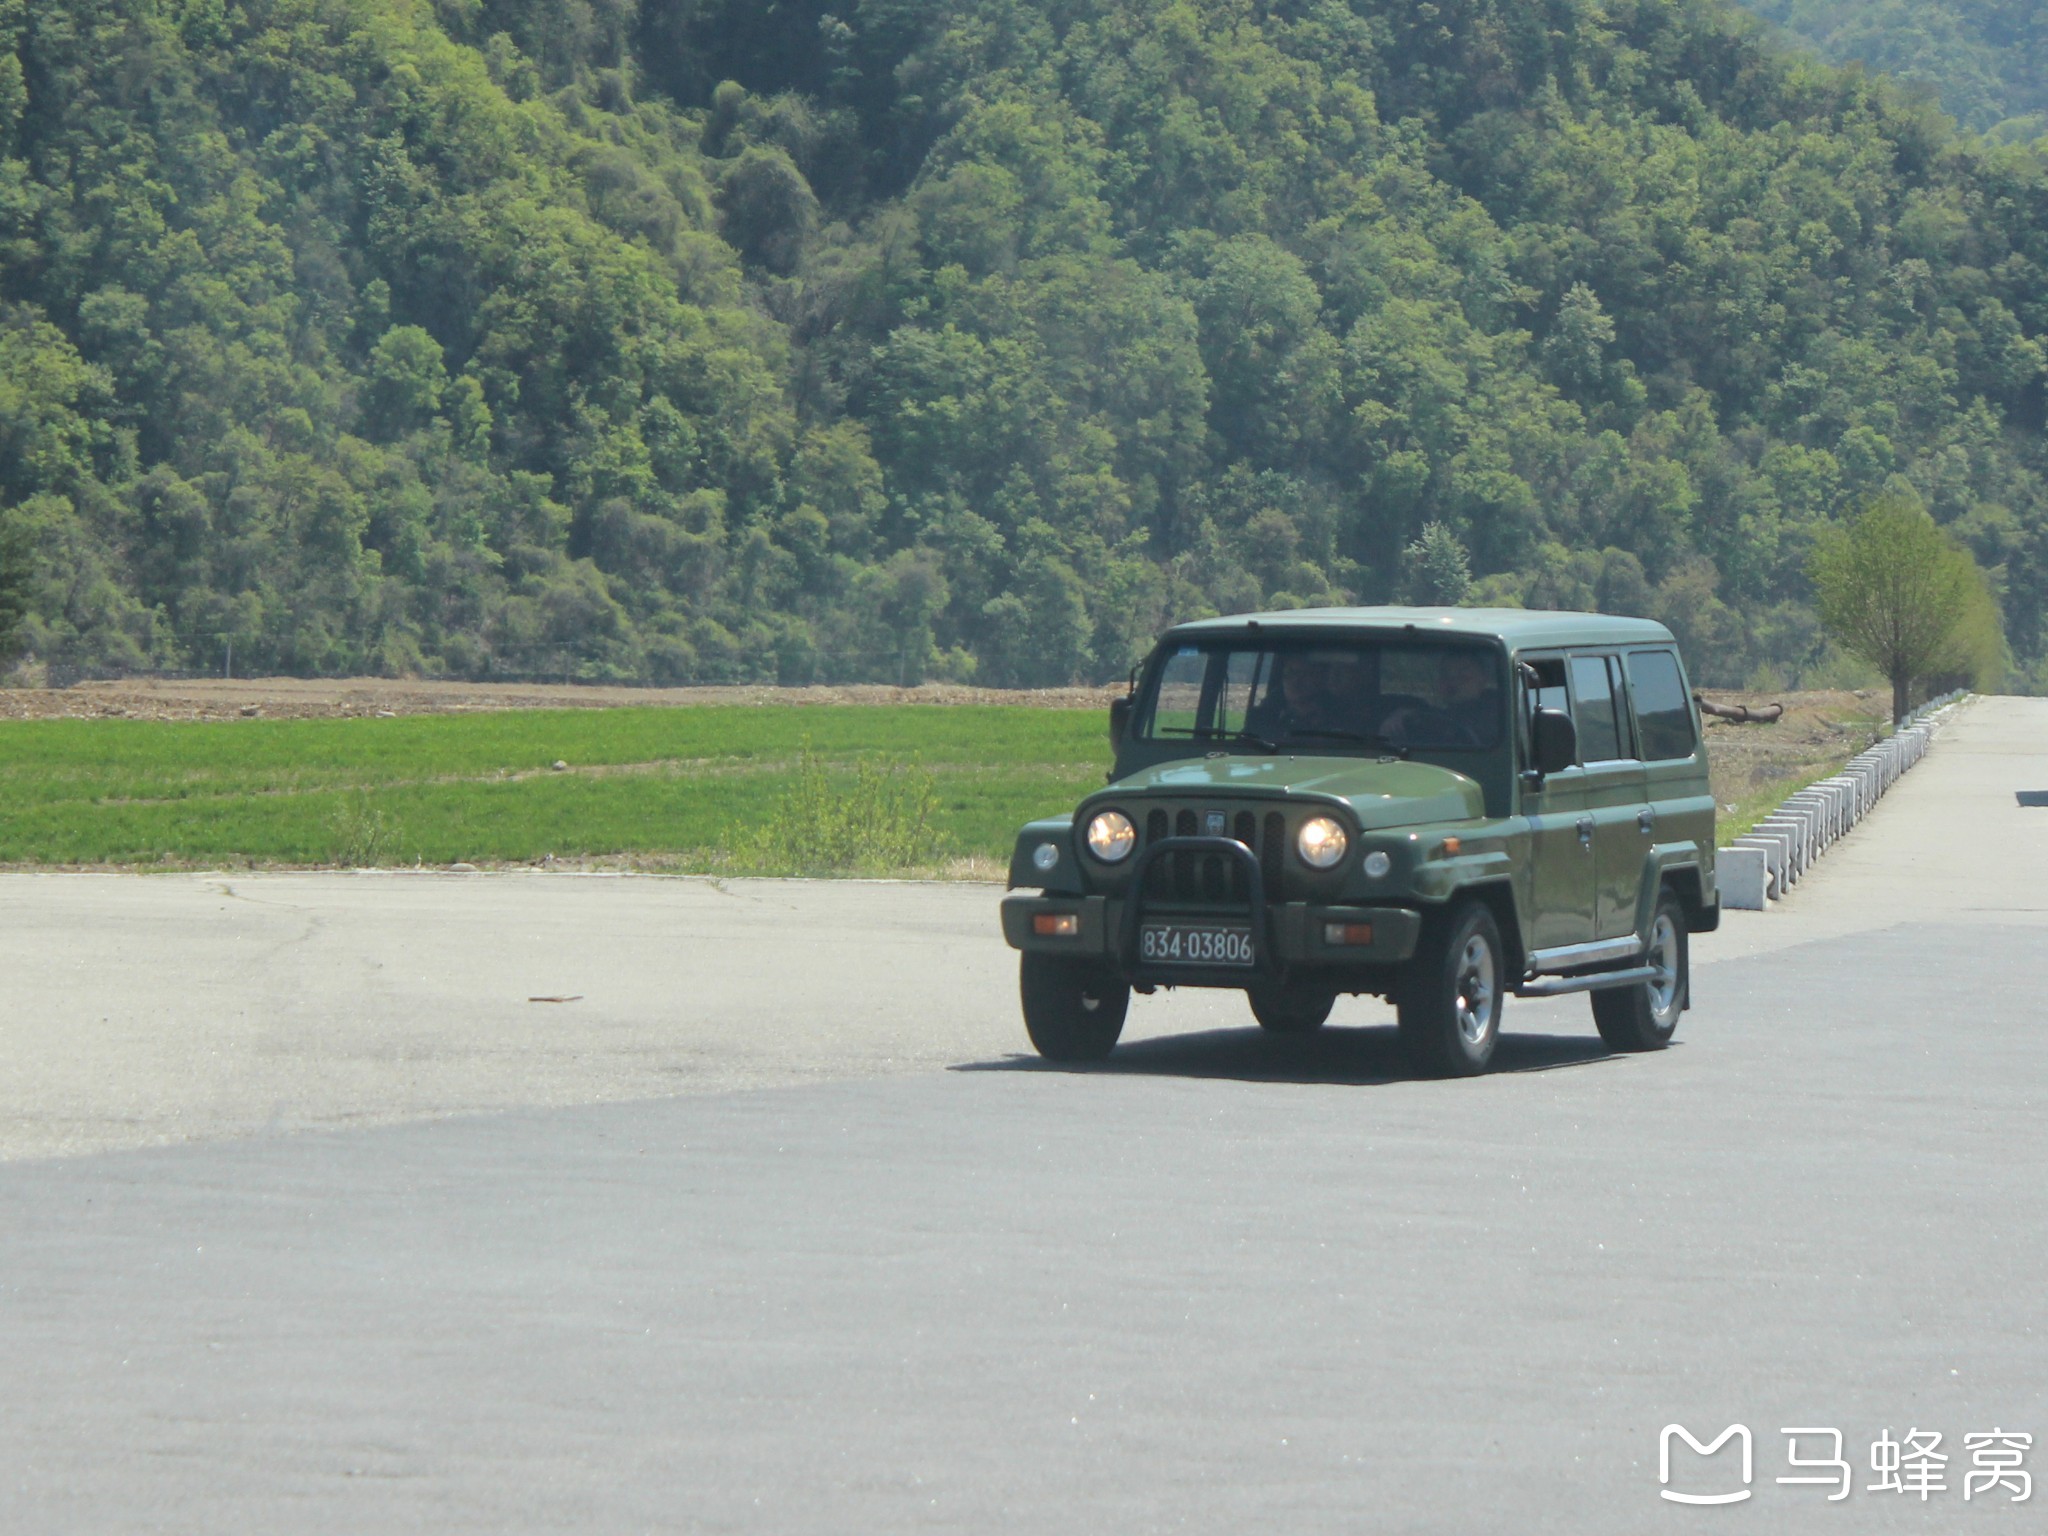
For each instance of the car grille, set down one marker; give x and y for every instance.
(1213, 879)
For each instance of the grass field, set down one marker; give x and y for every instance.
(688, 789)
(669, 788)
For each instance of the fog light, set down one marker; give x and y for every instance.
(1337, 934)
(1376, 865)
(1055, 925)
(1046, 855)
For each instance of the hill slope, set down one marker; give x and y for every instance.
(712, 340)
(1987, 60)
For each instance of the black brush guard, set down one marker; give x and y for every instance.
(1263, 966)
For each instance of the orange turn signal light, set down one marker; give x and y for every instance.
(1452, 847)
(1347, 933)
(1055, 925)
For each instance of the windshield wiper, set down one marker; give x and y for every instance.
(1362, 738)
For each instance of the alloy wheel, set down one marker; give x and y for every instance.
(1475, 989)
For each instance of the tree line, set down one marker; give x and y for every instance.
(876, 339)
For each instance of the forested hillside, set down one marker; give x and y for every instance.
(828, 339)
(1987, 60)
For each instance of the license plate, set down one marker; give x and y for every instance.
(1195, 943)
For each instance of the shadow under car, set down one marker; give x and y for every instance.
(1368, 1056)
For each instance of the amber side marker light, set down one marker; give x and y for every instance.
(1055, 925)
(1347, 933)
(1453, 847)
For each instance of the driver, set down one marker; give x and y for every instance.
(1316, 694)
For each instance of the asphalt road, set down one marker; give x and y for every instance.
(312, 1222)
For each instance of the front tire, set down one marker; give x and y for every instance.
(1290, 1010)
(1073, 1011)
(1449, 1011)
(1644, 1016)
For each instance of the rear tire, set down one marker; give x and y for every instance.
(1073, 1011)
(1449, 1011)
(1644, 1016)
(1291, 1010)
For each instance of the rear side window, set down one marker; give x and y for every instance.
(1593, 708)
(1663, 714)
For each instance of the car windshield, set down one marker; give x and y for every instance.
(1398, 696)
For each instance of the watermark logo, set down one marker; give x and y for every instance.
(1914, 1466)
(1732, 1432)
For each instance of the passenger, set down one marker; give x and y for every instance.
(1470, 690)
(1466, 711)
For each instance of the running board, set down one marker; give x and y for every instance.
(1562, 986)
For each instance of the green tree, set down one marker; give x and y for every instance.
(771, 214)
(407, 381)
(1896, 592)
(16, 569)
(1436, 568)
(1274, 367)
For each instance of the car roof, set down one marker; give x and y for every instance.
(1520, 629)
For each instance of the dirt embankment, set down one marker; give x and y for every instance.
(290, 698)
(1818, 730)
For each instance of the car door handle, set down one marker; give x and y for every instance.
(1646, 819)
(1586, 830)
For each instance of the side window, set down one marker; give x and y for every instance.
(1593, 709)
(1663, 713)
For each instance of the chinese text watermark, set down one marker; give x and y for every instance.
(1991, 1465)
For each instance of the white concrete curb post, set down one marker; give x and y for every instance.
(1764, 863)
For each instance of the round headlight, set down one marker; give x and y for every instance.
(1046, 856)
(1111, 837)
(1377, 864)
(1320, 842)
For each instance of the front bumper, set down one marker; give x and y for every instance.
(1295, 935)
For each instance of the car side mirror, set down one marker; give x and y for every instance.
(1119, 721)
(1555, 741)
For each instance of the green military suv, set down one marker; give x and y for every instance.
(1434, 805)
